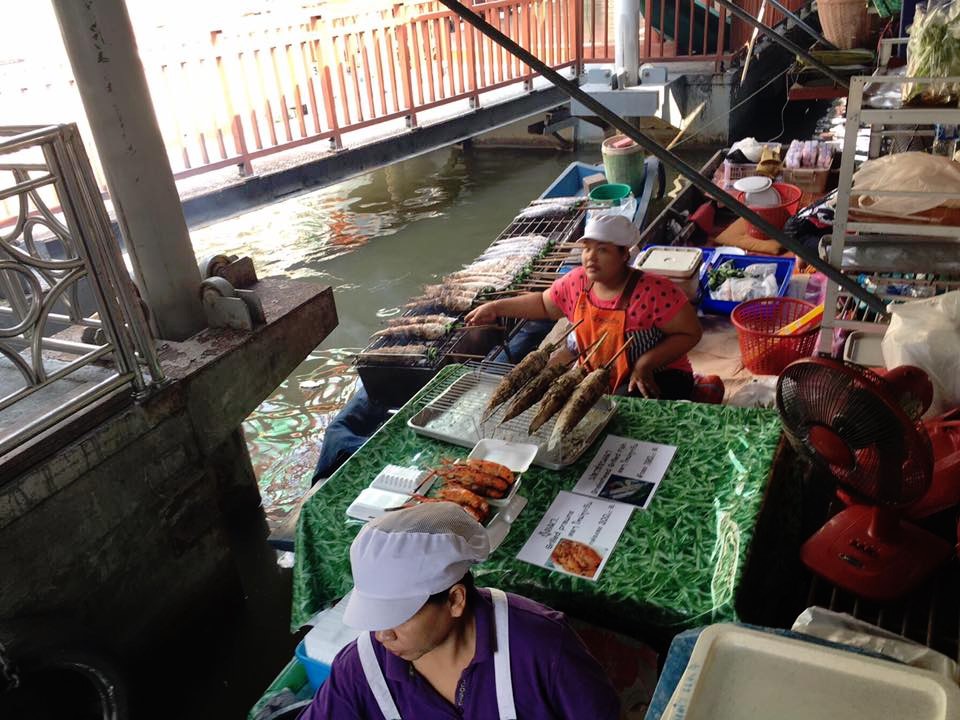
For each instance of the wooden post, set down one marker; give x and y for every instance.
(472, 67)
(320, 39)
(405, 73)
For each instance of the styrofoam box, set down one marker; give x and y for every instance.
(737, 673)
(514, 456)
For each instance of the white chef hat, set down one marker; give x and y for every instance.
(616, 229)
(403, 557)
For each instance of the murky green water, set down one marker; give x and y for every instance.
(375, 239)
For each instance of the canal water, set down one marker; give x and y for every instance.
(375, 239)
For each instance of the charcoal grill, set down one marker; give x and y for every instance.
(392, 378)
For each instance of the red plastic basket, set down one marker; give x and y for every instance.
(757, 321)
(778, 214)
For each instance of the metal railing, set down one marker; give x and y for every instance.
(71, 324)
(308, 73)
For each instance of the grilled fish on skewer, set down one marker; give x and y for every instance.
(420, 320)
(594, 387)
(534, 390)
(561, 390)
(520, 375)
(422, 331)
(557, 396)
(446, 301)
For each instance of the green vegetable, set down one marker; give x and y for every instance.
(934, 51)
(719, 275)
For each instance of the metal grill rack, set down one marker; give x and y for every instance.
(929, 616)
(392, 376)
(453, 412)
(896, 268)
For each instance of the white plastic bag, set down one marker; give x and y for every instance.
(761, 392)
(748, 288)
(913, 171)
(926, 333)
(848, 630)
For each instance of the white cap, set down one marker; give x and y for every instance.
(616, 229)
(403, 557)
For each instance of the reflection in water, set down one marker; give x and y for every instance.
(284, 433)
(375, 239)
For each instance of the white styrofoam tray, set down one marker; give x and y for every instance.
(516, 457)
(737, 673)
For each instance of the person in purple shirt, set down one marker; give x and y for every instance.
(436, 646)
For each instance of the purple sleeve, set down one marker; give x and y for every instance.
(581, 689)
(338, 697)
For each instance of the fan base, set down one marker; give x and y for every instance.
(877, 568)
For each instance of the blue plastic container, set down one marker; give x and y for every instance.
(317, 672)
(722, 307)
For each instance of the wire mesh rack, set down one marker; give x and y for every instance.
(894, 288)
(454, 412)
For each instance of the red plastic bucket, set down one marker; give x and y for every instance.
(776, 215)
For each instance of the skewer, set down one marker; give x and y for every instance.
(593, 348)
(553, 346)
(619, 352)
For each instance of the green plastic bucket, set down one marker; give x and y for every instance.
(611, 193)
(624, 164)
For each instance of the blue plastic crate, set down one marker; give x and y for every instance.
(723, 307)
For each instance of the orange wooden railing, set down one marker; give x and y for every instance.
(274, 82)
(254, 92)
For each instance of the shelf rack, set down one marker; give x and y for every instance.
(927, 253)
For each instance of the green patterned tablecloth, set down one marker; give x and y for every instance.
(677, 564)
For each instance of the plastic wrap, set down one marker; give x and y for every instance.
(926, 333)
(933, 51)
(678, 563)
(848, 630)
(918, 172)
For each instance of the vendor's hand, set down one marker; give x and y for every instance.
(486, 314)
(641, 380)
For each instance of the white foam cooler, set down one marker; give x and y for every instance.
(680, 264)
(736, 673)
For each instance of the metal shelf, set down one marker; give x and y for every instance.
(883, 251)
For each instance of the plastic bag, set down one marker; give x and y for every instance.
(926, 333)
(933, 51)
(761, 392)
(848, 630)
(627, 208)
(747, 288)
(910, 171)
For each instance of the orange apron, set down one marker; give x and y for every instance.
(613, 322)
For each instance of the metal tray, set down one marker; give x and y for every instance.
(454, 416)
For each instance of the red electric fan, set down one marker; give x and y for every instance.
(853, 422)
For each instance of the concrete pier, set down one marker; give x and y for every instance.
(115, 519)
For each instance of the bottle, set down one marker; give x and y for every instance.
(944, 140)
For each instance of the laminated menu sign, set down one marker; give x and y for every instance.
(626, 470)
(576, 535)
